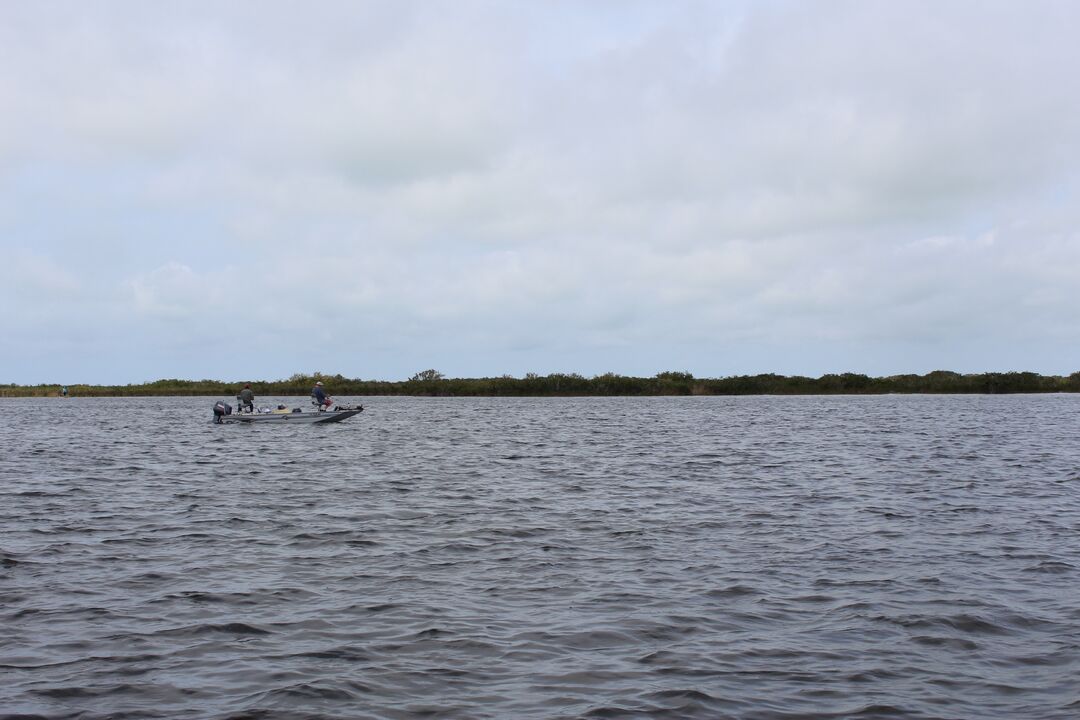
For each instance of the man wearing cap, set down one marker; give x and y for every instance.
(247, 398)
(319, 394)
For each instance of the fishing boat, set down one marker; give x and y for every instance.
(223, 415)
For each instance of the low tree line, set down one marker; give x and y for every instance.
(434, 383)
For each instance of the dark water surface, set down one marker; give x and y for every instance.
(898, 556)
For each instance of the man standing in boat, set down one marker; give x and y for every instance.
(320, 396)
(247, 398)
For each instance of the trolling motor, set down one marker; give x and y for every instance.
(220, 410)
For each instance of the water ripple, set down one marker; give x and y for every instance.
(886, 557)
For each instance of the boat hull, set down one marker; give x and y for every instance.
(292, 418)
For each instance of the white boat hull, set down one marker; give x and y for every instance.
(291, 418)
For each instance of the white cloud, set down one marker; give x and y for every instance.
(174, 291)
(547, 186)
(38, 275)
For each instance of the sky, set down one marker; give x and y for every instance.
(254, 189)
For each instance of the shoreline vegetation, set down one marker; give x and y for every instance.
(432, 383)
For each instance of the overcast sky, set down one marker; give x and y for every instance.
(247, 190)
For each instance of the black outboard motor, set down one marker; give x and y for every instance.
(221, 409)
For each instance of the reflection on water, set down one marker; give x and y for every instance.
(543, 558)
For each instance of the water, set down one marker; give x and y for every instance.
(897, 556)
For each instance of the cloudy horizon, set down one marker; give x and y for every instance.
(372, 189)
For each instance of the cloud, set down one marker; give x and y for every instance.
(174, 291)
(515, 186)
(39, 275)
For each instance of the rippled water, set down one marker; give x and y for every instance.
(898, 556)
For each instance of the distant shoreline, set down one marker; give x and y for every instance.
(431, 383)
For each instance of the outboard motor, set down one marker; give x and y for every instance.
(221, 409)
